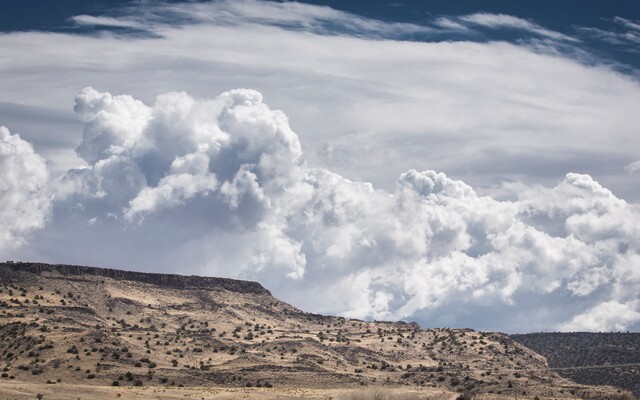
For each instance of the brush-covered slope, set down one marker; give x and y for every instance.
(82, 325)
(593, 358)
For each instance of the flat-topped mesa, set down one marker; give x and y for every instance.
(167, 280)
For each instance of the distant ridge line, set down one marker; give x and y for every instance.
(170, 280)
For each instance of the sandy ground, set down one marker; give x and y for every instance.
(25, 390)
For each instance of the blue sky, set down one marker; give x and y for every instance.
(454, 163)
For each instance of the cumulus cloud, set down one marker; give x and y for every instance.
(607, 316)
(227, 182)
(23, 191)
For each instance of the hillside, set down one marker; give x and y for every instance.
(70, 325)
(617, 353)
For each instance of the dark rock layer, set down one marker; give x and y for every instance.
(166, 280)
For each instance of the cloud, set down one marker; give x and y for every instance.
(633, 167)
(227, 183)
(185, 183)
(608, 316)
(23, 191)
(448, 23)
(625, 34)
(631, 25)
(393, 105)
(156, 18)
(502, 21)
(89, 20)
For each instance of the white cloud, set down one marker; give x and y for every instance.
(89, 20)
(625, 34)
(231, 173)
(291, 15)
(633, 167)
(501, 21)
(632, 25)
(23, 191)
(448, 23)
(222, 186)
(172, 190)
(608, 316)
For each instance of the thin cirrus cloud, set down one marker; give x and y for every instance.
(448, 23)
(293, 15)
(89, 20)
(502, 21)
(629, 24)
(520, 234)
(624, 33)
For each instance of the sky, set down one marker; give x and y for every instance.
(457, 164)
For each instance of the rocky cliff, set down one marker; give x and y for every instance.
(167, 280)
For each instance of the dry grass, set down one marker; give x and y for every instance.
(29, 391)
(387, 394)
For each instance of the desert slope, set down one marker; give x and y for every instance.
(611, 358)
(71, 325)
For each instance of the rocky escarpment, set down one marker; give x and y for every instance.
(9, 269)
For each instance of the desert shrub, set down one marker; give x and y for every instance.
(379, 394)
(622, 396)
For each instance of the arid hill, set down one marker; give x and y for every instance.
(591, 358)
(70, 328)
